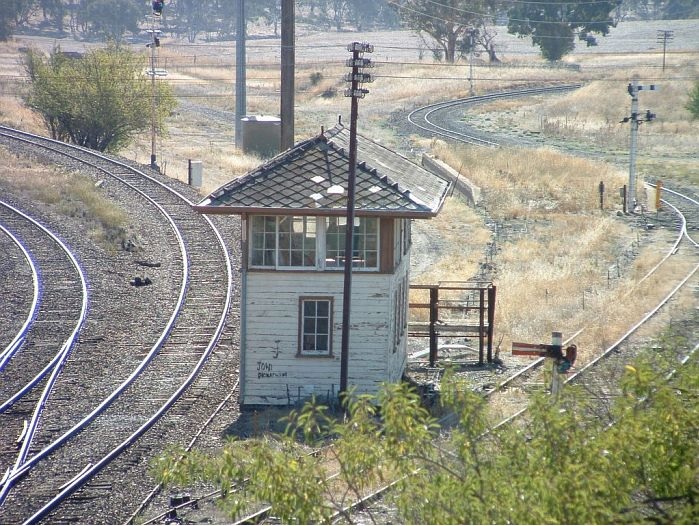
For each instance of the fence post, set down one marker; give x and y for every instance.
(434, 315)
(491, 321)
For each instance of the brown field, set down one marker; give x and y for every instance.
(561, 262)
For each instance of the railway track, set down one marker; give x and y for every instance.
(438, 119)
(144, 370)
(442, 119)
(613, 357)
(599, 372)
(54, 318)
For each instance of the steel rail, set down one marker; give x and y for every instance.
(577, 374)
(538, 362)
(189, 447)
(84, 477)
(471, 139)
(87, 474)
(9, 351)
(22, 468)
(62, 357)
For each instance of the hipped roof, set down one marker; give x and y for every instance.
(296, 182)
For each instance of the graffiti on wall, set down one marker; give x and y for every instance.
(266, 370)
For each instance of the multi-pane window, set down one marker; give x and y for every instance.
(283, 241)
(311, 242)
(365, 242)
(297, 241)
(315, 326)
(263, 241)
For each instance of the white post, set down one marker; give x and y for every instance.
(631, 198)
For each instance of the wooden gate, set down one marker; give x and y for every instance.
(454, 309)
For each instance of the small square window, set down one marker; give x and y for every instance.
(315, 325)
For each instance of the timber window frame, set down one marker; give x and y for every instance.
(315, 326)
(283, 242)
(289, 242)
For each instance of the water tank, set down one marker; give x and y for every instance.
(261, 135)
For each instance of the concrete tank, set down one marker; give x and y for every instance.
(261, 135)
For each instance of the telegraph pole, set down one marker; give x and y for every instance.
(664, 36)
(240, 102)
(288, 59)
(635, 119)
(356, 78)
(471, 42)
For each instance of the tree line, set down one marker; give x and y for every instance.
(113, 19)
(451, 28)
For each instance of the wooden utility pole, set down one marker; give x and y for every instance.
(240, 102)
(356, 78)
(288, 66)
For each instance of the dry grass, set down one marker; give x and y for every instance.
(531, 184)
(561, 261)
(71, 194)
(559, 268)
(464, 240)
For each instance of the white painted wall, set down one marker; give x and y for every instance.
(275, 375)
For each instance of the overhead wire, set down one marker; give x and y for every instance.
(490, 15)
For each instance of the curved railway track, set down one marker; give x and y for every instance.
(600, 372)
(437, 119)
(141, 370)
(600, 375)
(122, 406)
(586, 367)
(56, 314)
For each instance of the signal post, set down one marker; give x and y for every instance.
(561, 363)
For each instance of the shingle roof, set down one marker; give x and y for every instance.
(297, 181)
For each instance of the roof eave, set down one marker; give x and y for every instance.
(321, 212)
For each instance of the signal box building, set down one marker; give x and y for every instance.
(293, 211)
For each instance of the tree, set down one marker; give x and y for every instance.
(12, 14)
(553, 24)
(448, 22)
(267, 11)
(54, 11)
(111, 19)
(693, 103)
(569, 463)
(100, 101)
(680, 9)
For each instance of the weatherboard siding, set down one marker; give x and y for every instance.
(275, 374)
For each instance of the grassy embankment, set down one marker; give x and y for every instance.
(553, 278)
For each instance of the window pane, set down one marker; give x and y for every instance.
(283, 259)
(315, 326)
(371, 259)
(365, 242)
(309, 325)
(258, 241)
(285, 223)
(284, 241)
(309, 342)
(309, 308)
